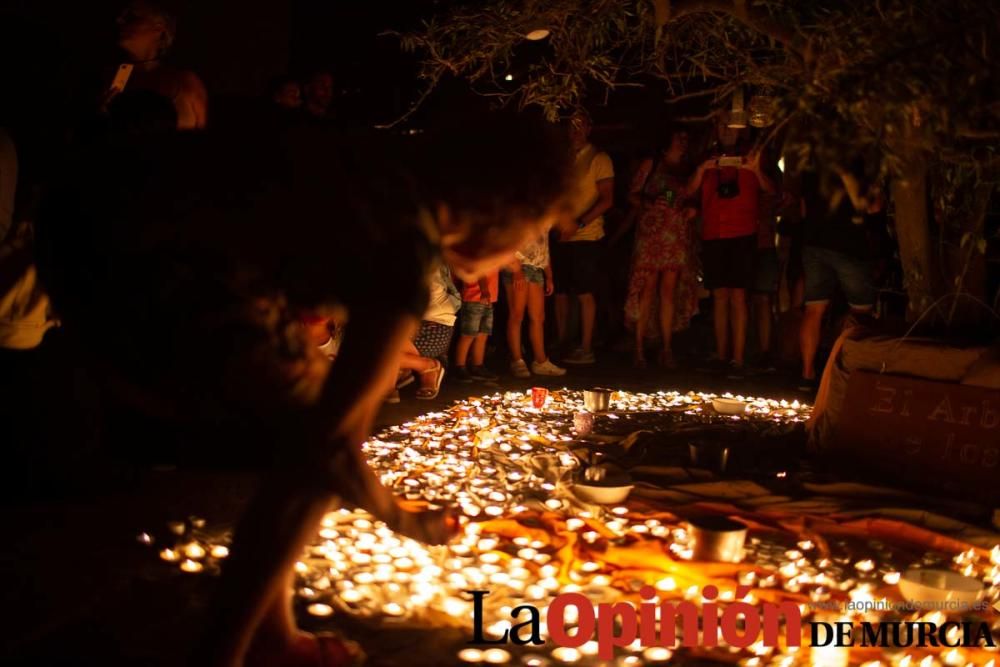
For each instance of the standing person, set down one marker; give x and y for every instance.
(836, 252)
(577, 255)
(164, 260)
(527, 281)
(766, 276)
(730, 183)
(663, 259)
(438, 325)
(318, 91)
(145, 33)
(476, 326)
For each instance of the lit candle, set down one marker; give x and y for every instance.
(194, 551)
(191, 566)
(657, 654)
(320, 609)
(473, 655)
(496, 656)
(170, 555)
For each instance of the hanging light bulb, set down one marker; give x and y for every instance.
(537, 34)
(737, 115)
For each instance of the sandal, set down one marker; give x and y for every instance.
(430, 393)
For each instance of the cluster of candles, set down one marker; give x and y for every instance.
(482, 456)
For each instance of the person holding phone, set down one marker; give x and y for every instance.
(729, 183)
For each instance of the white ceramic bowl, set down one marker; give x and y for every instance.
(602, 495)
(934, 586)
(729, 406)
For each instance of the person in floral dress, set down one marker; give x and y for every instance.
(664, 260)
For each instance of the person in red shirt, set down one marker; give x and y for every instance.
(475, 326)
(730, 183)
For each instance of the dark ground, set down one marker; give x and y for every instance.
(80, 590)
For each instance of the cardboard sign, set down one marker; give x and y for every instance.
(930, 435)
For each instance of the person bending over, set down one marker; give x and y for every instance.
(181, 265)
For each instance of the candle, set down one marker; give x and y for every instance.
(657, 654)
(470, 655)
(393, 609)
(170, 555)
(566, 654)
(191, 566)
(220, 551)
(194, 551)
(144, 538)
(320, 609)
(496, 656)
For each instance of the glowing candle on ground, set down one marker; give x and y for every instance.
(657, 654)
(194, 551)
(191, 566)
(219, 551)
(473, 655)
(320, 609)
(170, 555)
(496, 656)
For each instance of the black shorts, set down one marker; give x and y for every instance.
(576, 266)
(729, 262)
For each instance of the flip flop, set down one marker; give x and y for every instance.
(428, 393)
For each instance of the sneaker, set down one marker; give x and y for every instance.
(735, 370)
(547, 368)
(519, 369)
(461, 373)
(579, 357)
(483, 374)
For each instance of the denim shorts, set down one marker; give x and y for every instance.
(475, 318)
(827, 269)
(532, 274)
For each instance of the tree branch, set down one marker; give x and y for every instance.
(755, 19)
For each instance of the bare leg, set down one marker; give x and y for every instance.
(536, 322)
(562, 318)
(410, 359)
(462, 349)
(479, 349)
(812, 322)
(645, 301)
(588, 313)
(763, 316)
(516, 304)
(668, 288)
(720, 311)
(738, 317)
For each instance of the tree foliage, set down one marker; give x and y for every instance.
(893, 80)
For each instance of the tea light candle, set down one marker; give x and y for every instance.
(191, 566)
(566, 654)
(320, 609)
(393, 609)
(144, 538)
(351, 595)
(194, 551)
(657, 654)
(219, 551)
(496, 656)
(170, 555)
(472, 655)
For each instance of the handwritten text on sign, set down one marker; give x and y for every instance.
(930, 433)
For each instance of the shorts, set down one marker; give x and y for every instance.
(433, 339)
(766, 271)
(728, 263)
(475, 318)
(576, 266)
(827, 269)
(532, 274)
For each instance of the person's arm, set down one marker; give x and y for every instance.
(484, 291)
(605, 199)
(753, 165)
(694, 183)
(634, 200)
(191, 103)
(550, 286)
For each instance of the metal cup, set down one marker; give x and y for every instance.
(597, 399)
(709, 455)
(717, 538)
